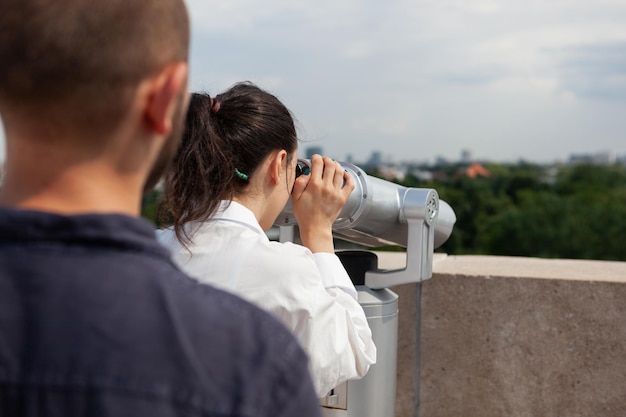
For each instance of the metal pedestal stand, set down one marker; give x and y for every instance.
(375, 394)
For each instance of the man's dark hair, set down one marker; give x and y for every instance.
(85, 56)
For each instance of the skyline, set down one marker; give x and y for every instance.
(418, 79)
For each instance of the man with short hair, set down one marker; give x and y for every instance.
(95, 319)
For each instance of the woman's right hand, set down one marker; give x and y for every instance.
(317, 200)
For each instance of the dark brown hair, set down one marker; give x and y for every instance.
(83, 59)
(226, 139)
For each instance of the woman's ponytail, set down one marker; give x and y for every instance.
(226, 139)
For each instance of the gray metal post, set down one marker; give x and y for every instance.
(418, 316)
(375, 394)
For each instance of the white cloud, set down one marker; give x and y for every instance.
(247, 16)
(505, 78)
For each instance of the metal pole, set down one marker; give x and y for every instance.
(418, 307)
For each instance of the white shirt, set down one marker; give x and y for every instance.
(310, 293)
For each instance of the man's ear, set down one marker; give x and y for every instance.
(162, 96)
(277, 162)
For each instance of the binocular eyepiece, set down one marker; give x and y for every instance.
(302, 167)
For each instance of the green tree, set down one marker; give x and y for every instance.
(581, 214)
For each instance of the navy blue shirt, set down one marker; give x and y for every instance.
(95, 320)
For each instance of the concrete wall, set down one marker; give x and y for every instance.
(514, 337)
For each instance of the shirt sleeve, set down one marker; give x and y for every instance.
(332, 326)
(333, 273)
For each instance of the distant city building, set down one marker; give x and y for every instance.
(467, 157)
(312, 151)
(550, 176)
(376, 159)
(422, 174)
(391, 173)
(599, 158)
(605, 158)
(476, 170)
(580, 159)
(440, 160)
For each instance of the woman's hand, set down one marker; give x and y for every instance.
(317, 200)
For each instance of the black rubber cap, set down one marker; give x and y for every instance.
(357, 263)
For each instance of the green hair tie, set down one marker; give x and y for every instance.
(241, 175)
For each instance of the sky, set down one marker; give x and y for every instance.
(537, 80)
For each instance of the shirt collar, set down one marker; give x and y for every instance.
(238, 213)
(111, 230)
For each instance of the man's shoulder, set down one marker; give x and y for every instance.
(130, 318)
(155, 327)
(219, 307)
(244, 346)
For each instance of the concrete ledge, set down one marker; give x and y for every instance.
(518, 267)
(504, 336)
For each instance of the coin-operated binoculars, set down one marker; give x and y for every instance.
(381, 213)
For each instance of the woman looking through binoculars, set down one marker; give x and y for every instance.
(232, 176)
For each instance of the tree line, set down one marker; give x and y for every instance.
(575, 212)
